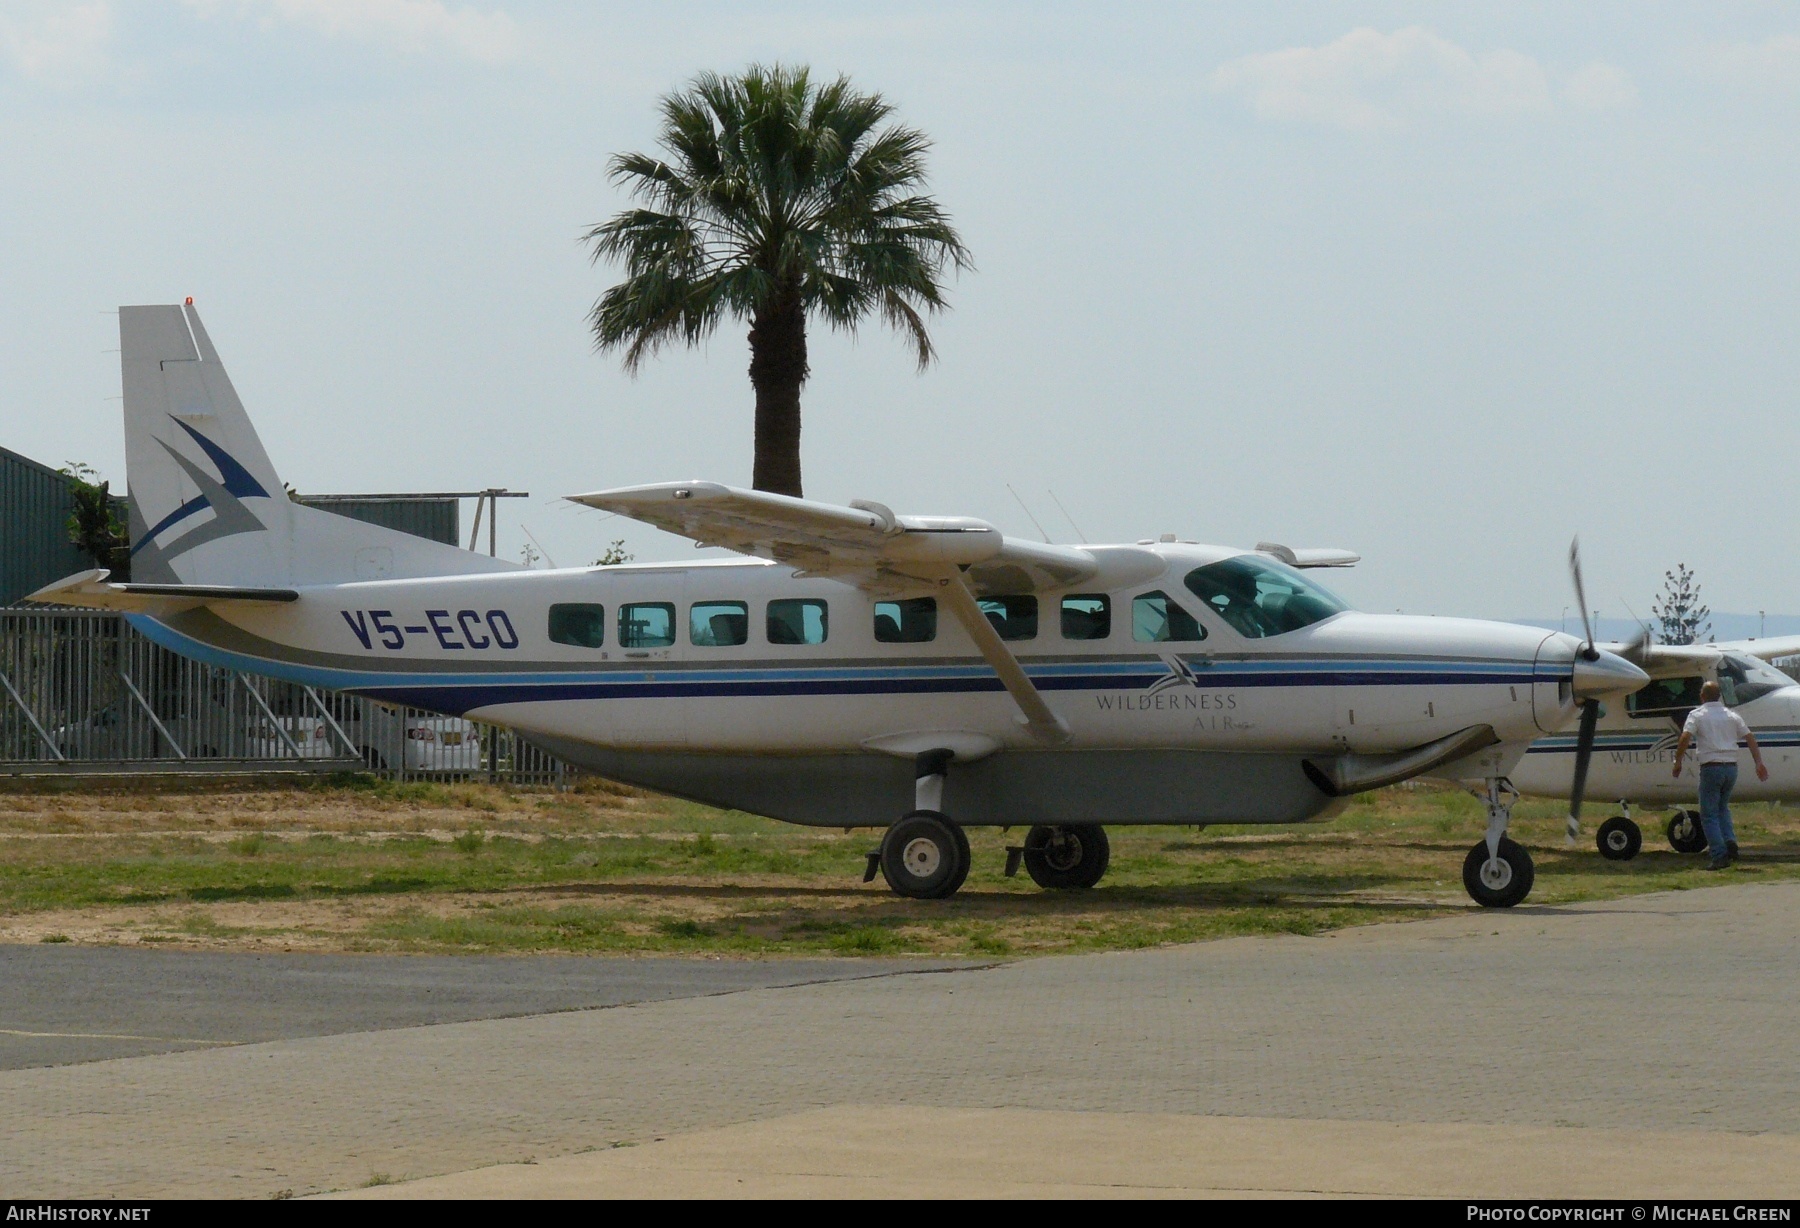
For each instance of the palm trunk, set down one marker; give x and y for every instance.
(777, 371)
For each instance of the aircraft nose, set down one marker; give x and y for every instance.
(1607, 675)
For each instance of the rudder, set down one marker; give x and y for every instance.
(207, 506)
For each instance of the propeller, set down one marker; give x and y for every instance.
(1590, 708)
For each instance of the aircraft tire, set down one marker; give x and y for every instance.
(1067, 858)
(1619, 839)
(1686, 835)
(1509, 882)
(924, 856)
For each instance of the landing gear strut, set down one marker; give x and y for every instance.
(1498, 873)
(925, 856)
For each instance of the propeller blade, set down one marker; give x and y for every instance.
(1638, 648)
(1581, 597)
(1584, 753)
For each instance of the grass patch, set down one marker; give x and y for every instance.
(356, 864)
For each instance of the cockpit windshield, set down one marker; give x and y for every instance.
(1742, 679)
(1259, 597)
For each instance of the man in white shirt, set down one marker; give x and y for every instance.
(1714, 732)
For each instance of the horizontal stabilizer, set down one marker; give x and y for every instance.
(89, 590)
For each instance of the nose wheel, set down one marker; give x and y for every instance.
(1500, 879)
(1498, 872)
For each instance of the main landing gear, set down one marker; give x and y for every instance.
(1061, 858)
(925, 855)
(1498, 873)
(1621, 839)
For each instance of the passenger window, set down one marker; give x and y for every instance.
(1157, 620)
(718, 624)
(1015, 618)
(1086, 616)
(1666, 697)
(647, 624)
(578, 624)
(799, 620)
(913, 621)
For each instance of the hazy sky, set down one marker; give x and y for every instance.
(1441, 283)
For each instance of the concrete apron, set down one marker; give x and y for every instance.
(854, 1151)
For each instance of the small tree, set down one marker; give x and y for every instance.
(1684, 619)
(94, 524)
(615, 554)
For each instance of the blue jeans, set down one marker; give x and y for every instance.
(1716, 783)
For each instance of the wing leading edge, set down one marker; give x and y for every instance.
(864, 544)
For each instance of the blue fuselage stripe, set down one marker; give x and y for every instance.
(461, 692)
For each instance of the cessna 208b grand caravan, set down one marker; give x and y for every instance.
(1633, 744)
(920, 674)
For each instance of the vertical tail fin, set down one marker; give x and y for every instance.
(207, 506)
(197, 473)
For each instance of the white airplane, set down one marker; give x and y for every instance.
(856, 668)
(1634, 744)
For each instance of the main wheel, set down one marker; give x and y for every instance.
(1498, 882)
(1619, 839)
(1686, 835)
(1059, 858)
(924, 856)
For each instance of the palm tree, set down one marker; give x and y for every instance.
(776, 199)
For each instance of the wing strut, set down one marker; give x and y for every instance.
(1044, 724)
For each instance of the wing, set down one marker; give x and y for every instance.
(1309, 558)
(1685, 660)
(1773, 648)
(89, 590)
(864, 544)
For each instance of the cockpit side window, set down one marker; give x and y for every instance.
(1259, 597)
(1743, 679)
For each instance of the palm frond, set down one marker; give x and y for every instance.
(771, 187)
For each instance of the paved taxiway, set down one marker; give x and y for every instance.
(1643, 1045)
(64, 1004)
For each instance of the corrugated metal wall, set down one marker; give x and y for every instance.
(435, 519)
(35, 502)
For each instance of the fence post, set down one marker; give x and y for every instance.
(31, 717)
(270, 713)
(151, 713)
